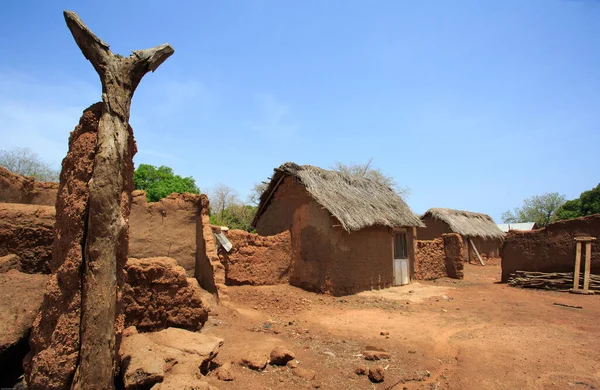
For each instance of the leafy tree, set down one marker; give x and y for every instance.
(541, 209)
(588, 203)
(161, 182)
(235, 216)
(25, 162)
(367, 171)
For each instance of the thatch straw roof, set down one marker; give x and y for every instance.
(467, 223)
(356, 202)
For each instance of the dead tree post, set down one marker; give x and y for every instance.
(106, 238)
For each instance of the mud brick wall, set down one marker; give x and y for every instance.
(20, 189)
(166, 228)
(26, 231)
(453, 247)
(257, 260)
(430, 260)
(551, 249)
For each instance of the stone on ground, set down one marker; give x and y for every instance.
(171, 358)
(281, 355)
(376, 374)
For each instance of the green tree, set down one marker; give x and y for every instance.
(24, 161)
(235, 216)
(161, 182)
(541, 209)
(588, 203)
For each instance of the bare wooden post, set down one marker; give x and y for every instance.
(577, 265)
(476, 251)
(106, 239)
(588, 262)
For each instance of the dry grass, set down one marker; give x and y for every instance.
(467, 223)
(356, 202)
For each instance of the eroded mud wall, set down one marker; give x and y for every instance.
(430, 261)
(20, 189)
(166, 228)
(257, 260)
(26, 231)
(551, 249)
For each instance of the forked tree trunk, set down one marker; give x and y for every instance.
(106, 238)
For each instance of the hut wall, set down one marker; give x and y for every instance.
(326, 258)
(487, 247)
(279, 213)
(551, 249)
(435, 228)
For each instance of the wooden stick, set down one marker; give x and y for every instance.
(577, 266)
(476, 251)
(588, 259)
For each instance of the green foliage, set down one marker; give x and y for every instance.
(25, 162)
(541, 209)
(571, 209)
(236, 216)
(588, 203)
(161, 182)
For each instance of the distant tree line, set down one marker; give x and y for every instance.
(551, 207)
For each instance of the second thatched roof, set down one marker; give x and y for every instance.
(356, 202)
(467, 223)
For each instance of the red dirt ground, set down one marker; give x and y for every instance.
(467, 334)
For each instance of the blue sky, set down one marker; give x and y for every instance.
(474, 105)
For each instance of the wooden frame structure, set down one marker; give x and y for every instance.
(579, 241)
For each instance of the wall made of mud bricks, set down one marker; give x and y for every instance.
(430, 260)
(551, 249)
(257, 260)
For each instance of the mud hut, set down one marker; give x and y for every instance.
(348, 234)
(476, 229)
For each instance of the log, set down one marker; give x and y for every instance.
(561, 281)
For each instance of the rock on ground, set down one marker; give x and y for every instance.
(171, 358)
(254, 361)
(374, 353)
(9, 262)
(281, 355)
(225, 372)
(22, 296)
(376, 374)
(158, 294)
(304, 373)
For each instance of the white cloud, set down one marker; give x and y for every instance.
(273, 118)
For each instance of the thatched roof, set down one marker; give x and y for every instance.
(467, 223)
(356, 202)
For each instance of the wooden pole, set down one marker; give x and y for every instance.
(476, 251)
(588, 260)
(577, 266)
(110, 187)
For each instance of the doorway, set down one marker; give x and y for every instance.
(401, 268)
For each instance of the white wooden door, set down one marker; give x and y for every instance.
(401, 272)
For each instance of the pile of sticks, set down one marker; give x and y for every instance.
(560, 281)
